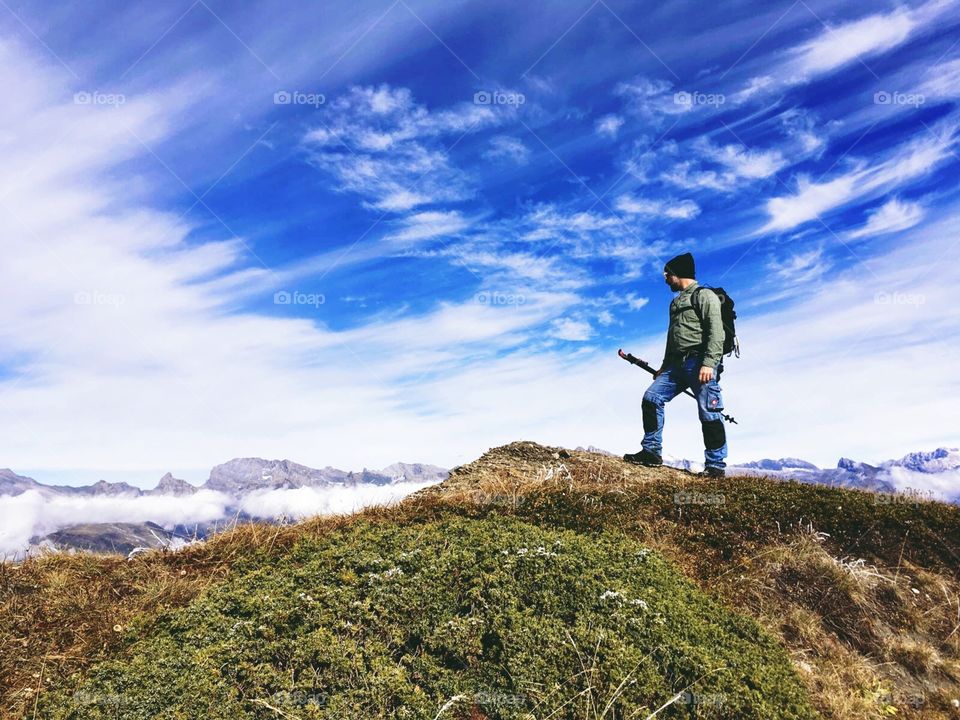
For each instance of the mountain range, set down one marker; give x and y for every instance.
(236, 478)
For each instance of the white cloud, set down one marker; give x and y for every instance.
(428, 224)
(31, 514)
(504, 147)
(800, 268)
(35, 515)
(942, 485)
(378, 143)
(609, 126)
(839, 45)
(810, 201)
(732, 165)
(742, 162)
(892, 216)
(650, 98)
(677, 210)
(569, 329)
(800, 127)
(942, 81)
(299, 503)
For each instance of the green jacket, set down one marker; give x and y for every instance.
(686, 331)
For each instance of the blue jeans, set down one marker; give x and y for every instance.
(673, 381)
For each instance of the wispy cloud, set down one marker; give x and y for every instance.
(504, 147)
(800, 268)
(379, 143)
(840, 44)
(722, 167)
(569, 329)
(813, 199)
(892, 216)
(609, 126)
(678, 210)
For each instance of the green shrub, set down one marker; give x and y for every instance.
(453, 618)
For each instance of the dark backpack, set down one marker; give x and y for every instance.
(727, 315)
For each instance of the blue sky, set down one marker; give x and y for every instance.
(355, 233)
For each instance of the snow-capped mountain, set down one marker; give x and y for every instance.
(682, 463)
(935, 473)
(938, 461)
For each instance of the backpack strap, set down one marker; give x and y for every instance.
(693, 305)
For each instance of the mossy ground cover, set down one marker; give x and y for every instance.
(454, 617)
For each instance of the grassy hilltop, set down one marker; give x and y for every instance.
(533, 583)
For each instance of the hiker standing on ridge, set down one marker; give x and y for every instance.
(693, 358)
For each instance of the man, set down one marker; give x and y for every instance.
(693, 358)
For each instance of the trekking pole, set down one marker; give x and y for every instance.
(630, 358)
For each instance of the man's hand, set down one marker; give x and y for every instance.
(706, 375)
(659, 372)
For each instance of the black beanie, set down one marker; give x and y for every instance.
(681, 266)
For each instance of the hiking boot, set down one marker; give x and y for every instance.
(715, 473)
(644, 457)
